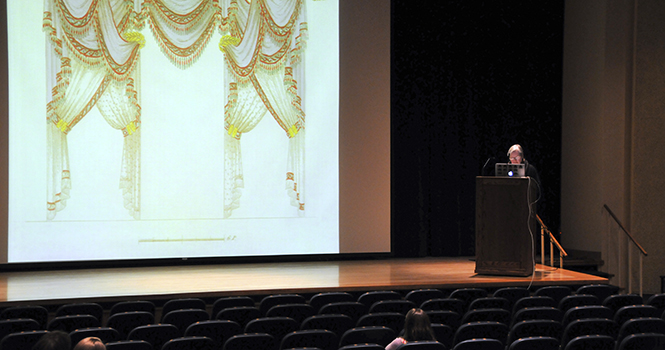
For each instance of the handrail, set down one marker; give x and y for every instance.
(554, 241)
(644, 252)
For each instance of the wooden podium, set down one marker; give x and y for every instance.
(503, 241)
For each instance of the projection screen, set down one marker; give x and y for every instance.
(189, 129)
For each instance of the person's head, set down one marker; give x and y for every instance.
(417, 326)
(516, 154)
(90, 343)
(54, 340)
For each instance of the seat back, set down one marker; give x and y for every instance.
(537, 313)
(124, 322)
(313, 338)
(601, 291)
(449, 318)
(92, 309)
(217, 330)
(512, 294)
(320, 299)
(484, 329)
(496, 315)
(106, 334)
(226, 302)
(586, 311)
(533, 301)
(183, 318)
(22, 340)
(642, 341)
(69, 323)
(15, 325)
(467, 295)
(419, 296)
(423, 345)
(352, 309)
(392, 320)
(189, 343)
(278, 327)
(129, 345)
(336, 323)
(491, 303)
(240, 314)
(586, 342)
(479, 344)
(132, 305)
(369, 298)
(155, 334)
(589, 326)
(35, 312)
(371, 335)
(535, 328)
(555, 292)
(450, 304)
(182, 303)
(530, 343)
(278, 299)
(571, 301)
(298, 312)
(399, 306)
(626, 313)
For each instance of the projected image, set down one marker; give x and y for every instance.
(173, 128)
(91, 61)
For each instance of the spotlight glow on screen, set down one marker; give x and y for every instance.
(216, 164)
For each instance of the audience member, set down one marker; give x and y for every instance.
(417, 326)
(54, 340)
(90, 343)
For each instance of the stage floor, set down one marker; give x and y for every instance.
(205, 281)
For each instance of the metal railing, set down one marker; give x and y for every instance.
(553, 242)
(643, 252)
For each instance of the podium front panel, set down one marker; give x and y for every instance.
(504, 226)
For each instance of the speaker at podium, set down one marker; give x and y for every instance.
(504, 225)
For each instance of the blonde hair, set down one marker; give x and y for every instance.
(518, 148)
(90, 343)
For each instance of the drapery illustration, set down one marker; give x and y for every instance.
(92, 53)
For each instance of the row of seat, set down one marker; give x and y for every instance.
(377, 308)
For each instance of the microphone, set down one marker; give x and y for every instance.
(483, 172)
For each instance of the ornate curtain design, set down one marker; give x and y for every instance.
(93, 49)
(85, 53)
(271, 40)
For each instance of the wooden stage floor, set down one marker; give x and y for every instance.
(207, 281)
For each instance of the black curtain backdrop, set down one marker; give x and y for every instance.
(468, 80)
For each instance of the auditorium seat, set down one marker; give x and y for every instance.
(311, 338)
(657, 301)
(227, 302)
(35, 312)
(539, 343)
(217, 330)
(537, 313)
(106, 334)
(182, 303)
(617, 301)
(371, 335)
(423, 345)
(15, 325)
(642, 341)
(512, 294)
(124, 322)
(601, 291)
(449, 318)
(444, 334)
(535, 328)
(419, 296)
(467, 295)
(450, 304)
(21, 340)
(129, 345)
(336, 323)
(587, 342)
(183, 318)
(189, 343)
(483, 329)
(92, 309)
(634, 311)
(320, 299)
(69, 323)
(352, 309)
(496, 315)
(589, 326)
(578, 300)
(362, 347)
(240, 314)
(133, 305)
(533, 301)
(246, 341)
(400, 306)
(276, 299)
(371, 297)
(641, 325)
(479, 344)
(555, 292)
(586, 311)
(298, 312)
(491, 303)
(155, 334)
(278, 327)
(392, 320)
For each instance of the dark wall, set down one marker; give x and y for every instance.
(469, 79)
